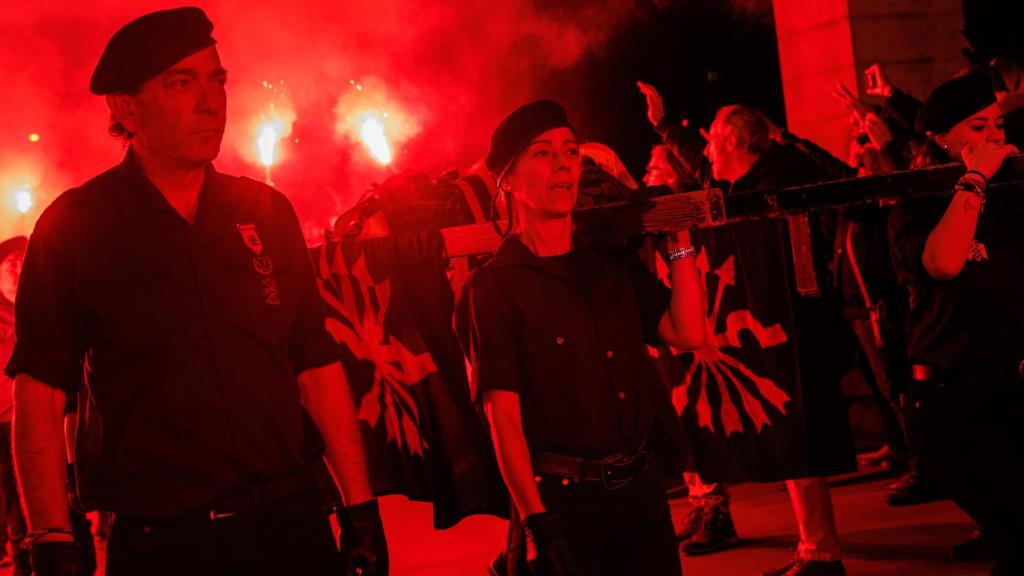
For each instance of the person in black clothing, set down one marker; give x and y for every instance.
(557, 340)
(179, 305)
(960, 259)
(758, 282)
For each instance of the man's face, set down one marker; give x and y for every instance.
(179, 116)
(545, 177)
(717, 151)
(10, 273)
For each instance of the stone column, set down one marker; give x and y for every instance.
(821, 42)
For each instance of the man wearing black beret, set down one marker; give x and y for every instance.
(179, 305)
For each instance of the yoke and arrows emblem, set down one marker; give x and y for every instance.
(720, 369)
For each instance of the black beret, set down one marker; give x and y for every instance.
(13, 245)
(147, 46)
(519, 128)
(956, 100)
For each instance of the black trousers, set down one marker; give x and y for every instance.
(627, 530)
(9, 495)
(283, 538)
(972, 442)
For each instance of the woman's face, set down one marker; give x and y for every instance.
(544, 180)
(659, 171)
(10, 273)
(985, 126)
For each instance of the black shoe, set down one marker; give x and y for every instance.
(800, 567)
(691, 523)
(977, 549)
(498, 566)
(913, 489)
(716, 532)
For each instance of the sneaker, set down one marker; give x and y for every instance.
(977, 549)
(913, 489)
(498, 566)
(691, 523)
(716, 532)
(801, 567)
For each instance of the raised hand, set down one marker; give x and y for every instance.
(877, 130)
(877, 83)
(655, 106)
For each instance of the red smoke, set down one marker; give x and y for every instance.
(452, 68)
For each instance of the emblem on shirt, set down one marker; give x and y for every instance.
(263, 265)
(977, 252)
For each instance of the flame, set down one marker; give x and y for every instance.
(23, 200)
(266, 141)
(371, 132)
(368, 114)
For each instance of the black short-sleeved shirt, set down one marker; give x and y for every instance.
(974, 323)
(569, 334)
(187, 338)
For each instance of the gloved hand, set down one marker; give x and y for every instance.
(57, 559)
(547, 550)
(364, 547)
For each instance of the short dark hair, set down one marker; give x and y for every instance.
(749, 125)
(118, 130)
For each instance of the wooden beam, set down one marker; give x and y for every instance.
(706, 208)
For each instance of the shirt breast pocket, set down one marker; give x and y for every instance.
(130, 299)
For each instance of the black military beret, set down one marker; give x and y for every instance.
(956, 100)
(147, 46)
(519, 128)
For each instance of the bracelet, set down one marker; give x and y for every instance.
(970, 186)
(979, 174)
(680, 253)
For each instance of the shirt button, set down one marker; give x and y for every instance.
(560, 340)
(536, 479)
(622, 395)
(609, 354)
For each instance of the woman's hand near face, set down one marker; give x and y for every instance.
(987, 157)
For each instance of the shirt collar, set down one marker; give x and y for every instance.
(138, 192)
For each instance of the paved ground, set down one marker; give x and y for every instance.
(879, 541)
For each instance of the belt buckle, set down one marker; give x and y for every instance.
(618, 462)
(215, 515)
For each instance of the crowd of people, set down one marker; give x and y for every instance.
(169, 313)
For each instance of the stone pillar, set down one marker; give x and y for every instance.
(821, 42)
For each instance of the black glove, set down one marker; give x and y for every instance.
(364, 548)
(56, 559)
(547, 550)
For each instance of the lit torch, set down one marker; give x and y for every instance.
(369, 115)
(22, 198)
(266, 143)
(371, 132)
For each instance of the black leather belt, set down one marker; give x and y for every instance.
(614, 471)
(293, 487)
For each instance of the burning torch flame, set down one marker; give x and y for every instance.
(371, 132)
(23, 200)
(267, 142)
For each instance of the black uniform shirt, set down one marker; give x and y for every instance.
(568, 335)
(187, 338)
(974, 323)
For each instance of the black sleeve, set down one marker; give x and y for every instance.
(910, 224)
(652, 296)
(902, 108)
(828, 166)
(688, 146)
(494, 329)
(49, 345)
(309, 344)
